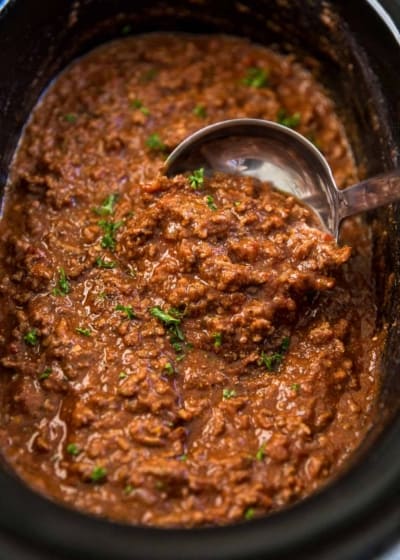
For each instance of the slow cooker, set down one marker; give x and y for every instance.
(357, 43)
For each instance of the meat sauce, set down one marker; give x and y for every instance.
(187, 351)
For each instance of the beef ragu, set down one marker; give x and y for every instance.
(187, 351)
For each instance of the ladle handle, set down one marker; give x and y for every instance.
(372, 193)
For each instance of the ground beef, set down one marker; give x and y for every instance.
(177, 352)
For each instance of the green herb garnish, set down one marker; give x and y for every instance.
(256, 77)
(169, 369)
(291, 121)
(249, 514)
(123, 375)
(70, 118)
(183, 457)
(98, 474)
(295, 387)
(200, 111)
(110, 229)
(228, 394)
(83, 331)
(196, 179)
(102, 263)
(31, 337)
(45, 374)
(73, 449)
(273, 361)
(137, 104)
(210, 202)
(107, 207)
(217, 339)
(260, 453)
(172, 321)
(155, 143)
(62, 288)
(128, 489)
(127, 309)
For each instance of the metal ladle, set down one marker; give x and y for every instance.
(272, 152)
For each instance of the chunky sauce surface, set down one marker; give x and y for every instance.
(177, 352)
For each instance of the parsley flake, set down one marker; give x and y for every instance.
(127, 309)
(273, 361)
(172, 321)
(45, 374)
(228, 394)
(295, 387)
(62, 288)
(210, 202)
(128, 489)
(200, 111)
(107, 207)
(217, 339)
(70, 118)
(260, 453)
(98, 474)
(73, 449)
(102, 263)
(249, 514)
(31, 337)
(138, 104)
(291, 121)
(155, 143)
(256, 77)
(123, 375)
(109, 229)
(169, 369)
(196, 179)
(83, 331)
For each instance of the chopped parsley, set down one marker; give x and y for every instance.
(62, 288)
(273, 361)
(137, 104)
(260, 453)
(196, 179)
(127, 309)
(228, 394)
(200, 111)
(256, 77)
(249, 514)
(73, 449)
(109, 229)
(169, 369)
(70, 118)
(217, 339)
(183, 457)
(102, 263)
(107, 207)
(155, 143)
(291, 121)
(45, 373)
(128, 489)
(123, 375)
(83, 331)
(172, 321)
(295, 387)
(98, 474)
(210, 202)
(31, 337)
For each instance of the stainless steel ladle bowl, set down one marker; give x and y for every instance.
(272, 152)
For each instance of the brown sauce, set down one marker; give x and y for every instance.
(187, 351)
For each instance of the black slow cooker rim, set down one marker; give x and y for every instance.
(348, 502)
